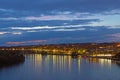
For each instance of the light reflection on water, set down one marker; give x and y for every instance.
(57, 62)
(56, 67)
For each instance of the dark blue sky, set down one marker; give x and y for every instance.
(59, 21)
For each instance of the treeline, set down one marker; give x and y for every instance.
(11, 57)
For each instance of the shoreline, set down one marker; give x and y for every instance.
(9, 58)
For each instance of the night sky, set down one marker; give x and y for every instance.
(24, 22)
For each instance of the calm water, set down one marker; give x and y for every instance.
(38, 67)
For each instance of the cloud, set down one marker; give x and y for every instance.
(63, 5)
(32, 31)
(19, 30)
(32, 28)
(10, 32)
(107, 18)
(113, 12)
(9, 19)
(65, 15)
(25, 42)
(1, 33)
(45, 17)
(86, 20)
(52, 17)
(77, 29)
(67, 35)
(50, 28)
(17, 33)
(6, 10)
(14, 43)
(114, 37)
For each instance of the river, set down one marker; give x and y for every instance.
(56, 67)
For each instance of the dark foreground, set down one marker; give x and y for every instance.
(8, 58)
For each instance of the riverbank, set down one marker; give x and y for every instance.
(8, 58)
(117, 58)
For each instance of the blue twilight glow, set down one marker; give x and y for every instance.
(59, 21)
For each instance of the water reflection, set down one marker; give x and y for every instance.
(65, 62)
(58, 62)
(100, 61)
(57, 67)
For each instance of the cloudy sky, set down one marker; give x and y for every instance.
(59, 21)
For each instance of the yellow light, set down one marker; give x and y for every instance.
(3, 49)
(13, 49)
(118, 45)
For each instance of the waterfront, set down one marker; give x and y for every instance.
(85, 49)
(58, 67)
